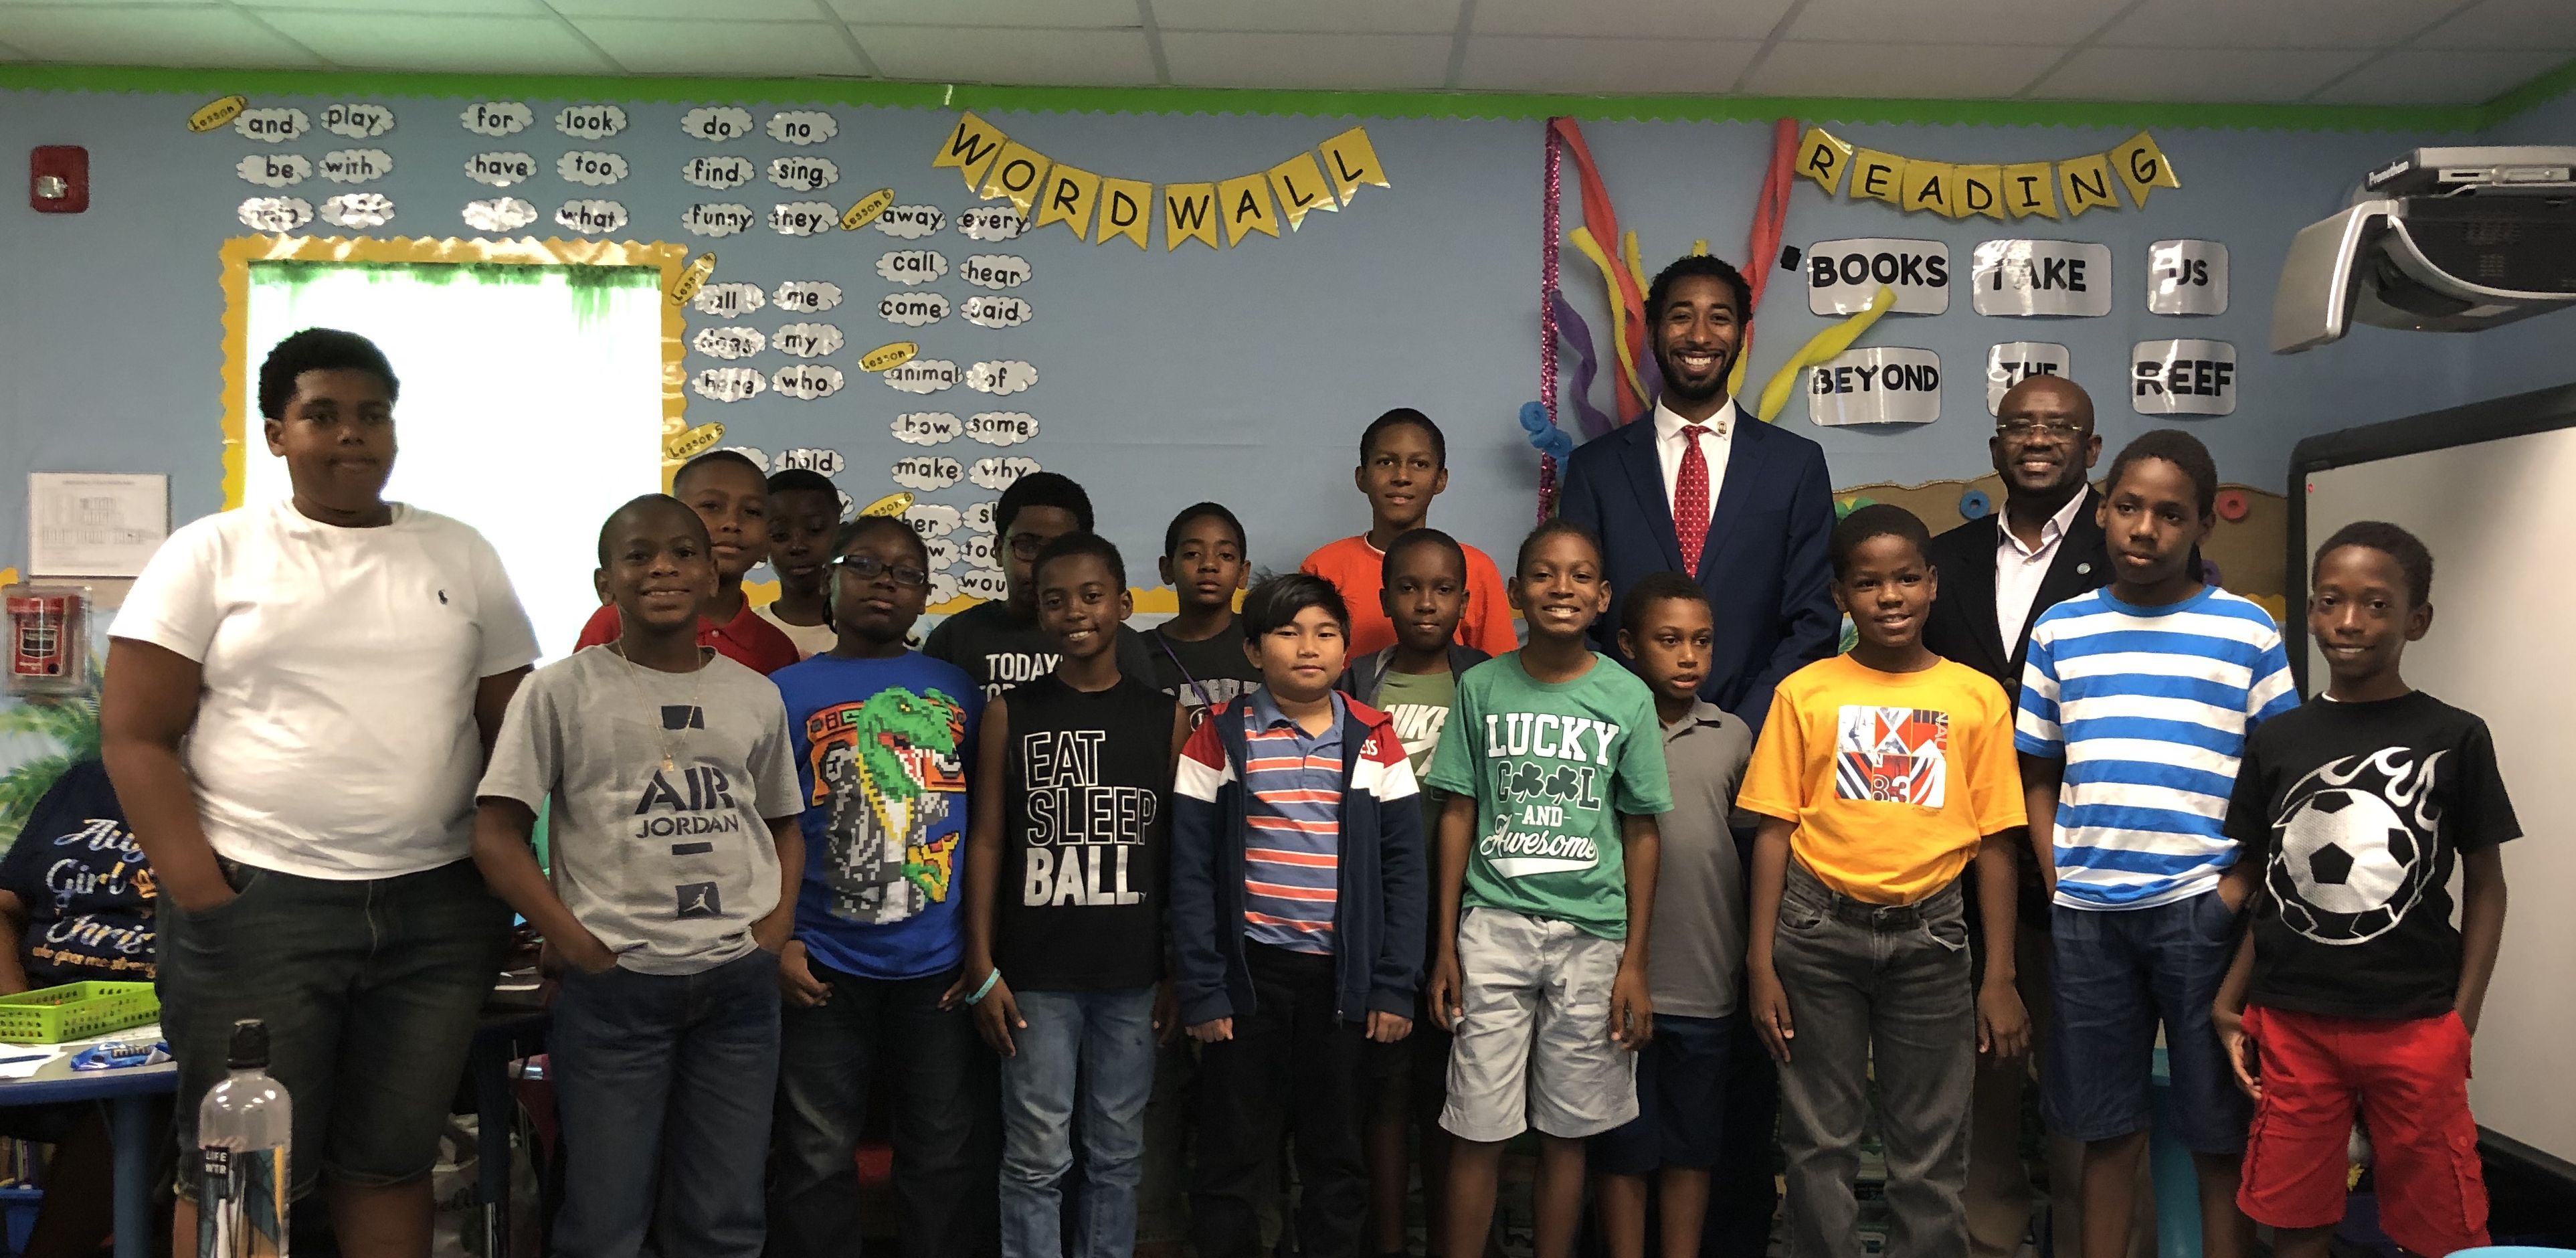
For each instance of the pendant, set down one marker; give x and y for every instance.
(667, 766)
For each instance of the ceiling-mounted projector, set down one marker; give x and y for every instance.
(2440, 240)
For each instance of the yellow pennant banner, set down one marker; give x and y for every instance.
(2064, 188)
(1104, 208)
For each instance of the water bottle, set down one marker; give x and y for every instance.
(243, 1129)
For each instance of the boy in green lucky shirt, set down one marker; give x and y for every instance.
(1553, 760)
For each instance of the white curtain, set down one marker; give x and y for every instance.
(531, 402)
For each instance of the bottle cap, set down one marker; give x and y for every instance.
(250, 1045)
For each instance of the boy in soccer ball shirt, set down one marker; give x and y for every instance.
(2361, 991)
(1548, 849)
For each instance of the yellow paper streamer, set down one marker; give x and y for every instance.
(1981, 190)
(2030, 188)
(1581, 239)
(1353, 161)
(1245, 200)
(1929, 186)
(2087, 181)
(1189, 213)
(2142, 166)
(1877, 176)
(1300, 185)
(1823, 158)
(1636, 268)
(1069, 197)
(1016, 174)
(970, 148)
(1122, 211)
(1822, 346)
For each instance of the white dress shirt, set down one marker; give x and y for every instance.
(1670, 443)
(2019, 569)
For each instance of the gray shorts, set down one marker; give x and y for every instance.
(1533, 1048)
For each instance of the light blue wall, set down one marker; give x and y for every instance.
(1166, 378)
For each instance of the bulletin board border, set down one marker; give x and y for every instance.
(1176, 100)
(240, 252)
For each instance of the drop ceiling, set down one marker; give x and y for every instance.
(2345, 52)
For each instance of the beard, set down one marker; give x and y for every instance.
(1683, 390)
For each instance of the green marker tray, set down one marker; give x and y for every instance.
(75, 1011)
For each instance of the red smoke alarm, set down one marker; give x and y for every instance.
(58, 179)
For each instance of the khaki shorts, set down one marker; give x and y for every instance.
(1533, 1048)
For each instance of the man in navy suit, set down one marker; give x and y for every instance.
(1744, 508)
(1698, 487)
(2042, 546)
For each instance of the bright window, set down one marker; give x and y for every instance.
(532, 401)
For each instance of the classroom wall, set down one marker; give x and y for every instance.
(2535, 353)
(1165, 377)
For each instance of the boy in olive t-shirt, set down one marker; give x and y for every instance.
(1548, 850)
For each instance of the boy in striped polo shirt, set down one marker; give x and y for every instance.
(2135, 705)
(1299, 890)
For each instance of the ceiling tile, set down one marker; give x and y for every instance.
(1377, 17)
(152, 37)
(749, 49)
(1959, 72)
(701, 10)
(1605, 67)
(523, 8)
(2440, 76)
(1310, 62)
(1075, 14)
(1034, 57)
(2508, 24)
(1631, 19)
(2059, 22)
(404, 41)
(2275, 23)
(2231, 75)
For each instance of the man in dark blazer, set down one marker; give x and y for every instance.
(1700, 487)
(2042, 546)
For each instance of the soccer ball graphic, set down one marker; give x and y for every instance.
(2349, 867)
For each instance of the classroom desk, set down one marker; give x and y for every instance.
(127, 1092)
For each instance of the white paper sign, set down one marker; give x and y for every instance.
(2187, 277)
(2012, 362)
(82, 524)
(2043, 277)
(2183, 377)
(1880, 385)
(1842, 275)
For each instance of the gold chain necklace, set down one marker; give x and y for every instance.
(661, 732)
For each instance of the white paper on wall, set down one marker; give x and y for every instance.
(1843, 275)
(2042, 277)
(1883, 384)
(2012, 362)
(2183, 377)
(2186, 277)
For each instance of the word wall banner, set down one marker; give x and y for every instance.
(2187, 277)
(2012, 362)
(1958, 189)
(2183, 377)
(1843, 275)
(1879, 385)
(2018, 278)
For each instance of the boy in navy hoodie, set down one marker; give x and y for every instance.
(1298, 894)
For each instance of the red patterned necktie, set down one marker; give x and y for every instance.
(1690, 499)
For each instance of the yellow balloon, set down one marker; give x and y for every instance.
(1824, 345)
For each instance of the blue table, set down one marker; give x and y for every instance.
(127, 1092)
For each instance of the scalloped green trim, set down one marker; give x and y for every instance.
(1156, 100)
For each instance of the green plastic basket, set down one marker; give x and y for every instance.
(75, 1011)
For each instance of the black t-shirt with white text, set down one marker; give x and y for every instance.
(1208, 673)
(1086, 795)
(1000, 650)
(2358, 811)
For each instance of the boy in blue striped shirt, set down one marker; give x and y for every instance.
(2135, 705)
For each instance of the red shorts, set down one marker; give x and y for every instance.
(2411, 1081)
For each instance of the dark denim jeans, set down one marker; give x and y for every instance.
(662, 1088)
(369, 988)
(1875, 991)
(939, 1077)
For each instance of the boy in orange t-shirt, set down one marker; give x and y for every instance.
(1404, 464)
(1880, 776)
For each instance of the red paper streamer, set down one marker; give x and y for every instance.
(1603, 221)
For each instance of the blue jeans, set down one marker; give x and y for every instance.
(2118, 974)
(663, 1088)
(1108, 1039)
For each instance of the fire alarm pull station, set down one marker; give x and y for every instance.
(48, 644)
(58, 179)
